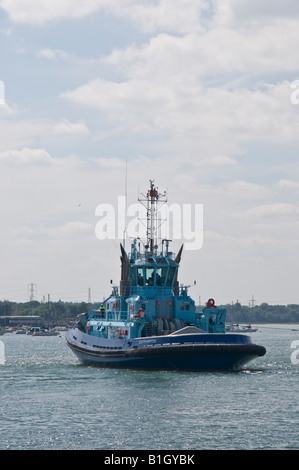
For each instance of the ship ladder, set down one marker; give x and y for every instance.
(148, 329)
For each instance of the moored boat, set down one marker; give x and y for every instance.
(36, 331)
(235, 327)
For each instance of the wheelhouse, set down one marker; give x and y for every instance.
(153, 273)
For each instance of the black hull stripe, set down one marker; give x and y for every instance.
(247, 349)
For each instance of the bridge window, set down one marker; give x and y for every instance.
(133, 276)
(161, 276)
(140, 276)
(170, 276)
(149, 276)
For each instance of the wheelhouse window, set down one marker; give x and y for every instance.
(170, 277)
(161, 275)
(140, 280)
(149, 276)
(153, 275)
(133, 276)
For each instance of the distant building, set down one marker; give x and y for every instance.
(32, 320)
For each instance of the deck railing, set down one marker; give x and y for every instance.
(122, 315)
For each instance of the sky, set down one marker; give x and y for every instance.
(98, 97)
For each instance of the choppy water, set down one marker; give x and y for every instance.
(49, 401)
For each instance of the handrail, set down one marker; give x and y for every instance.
(122, 315)
(136, 290)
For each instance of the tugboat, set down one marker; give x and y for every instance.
(150, 321)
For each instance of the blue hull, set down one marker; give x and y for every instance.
(197, 352)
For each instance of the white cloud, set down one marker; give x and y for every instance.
(113, 96)
(63, 56)
(240, 114)
(26, 156)
(66, 127)
(40, 11)
(52, 54)
(183, 84)
(213, 161)
(2, 93)
(238, 13)
(18, 131)
(244, 190)
(109, 163)
(289, 184)
(5, 31)
(247, 240)
(163, 14)
(217, 50)
(77, 229)
(219, 160)
(275, 209)
(8, 110)
(195, 103)
(136, 103)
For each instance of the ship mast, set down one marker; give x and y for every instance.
(152, 201)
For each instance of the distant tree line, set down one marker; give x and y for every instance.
(263, 313)
(54, 312)
(50, 312)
